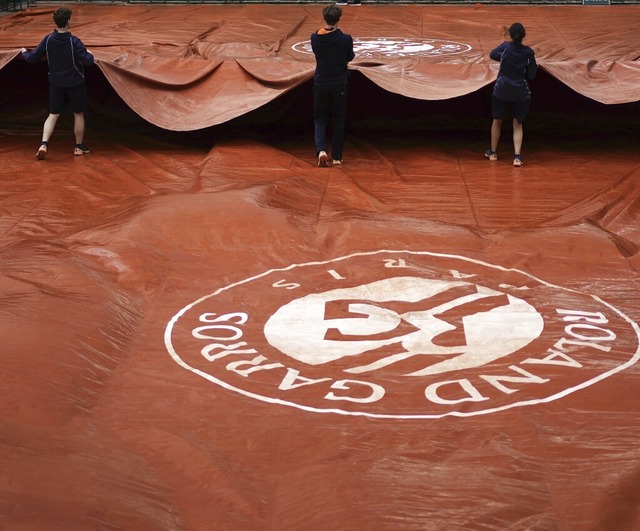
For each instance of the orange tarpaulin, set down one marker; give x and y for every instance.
(189, 67)
(203, 330)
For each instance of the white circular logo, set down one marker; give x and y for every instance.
(396, 47)
(401, 334)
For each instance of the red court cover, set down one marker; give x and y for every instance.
(203, 330)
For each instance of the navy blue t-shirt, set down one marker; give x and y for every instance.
(517, 67)
(66, 56)
(333, 50)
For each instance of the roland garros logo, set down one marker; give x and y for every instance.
(396, 47)
(401, 334)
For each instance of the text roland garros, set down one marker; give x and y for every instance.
(401, 334)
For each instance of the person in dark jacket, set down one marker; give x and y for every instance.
(333, 51)
(511, 93)
(67, 57)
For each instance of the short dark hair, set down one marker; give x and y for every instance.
(61, 16)
(332, 14)
(517, 32)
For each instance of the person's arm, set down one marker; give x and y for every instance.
(83, 55)
(532, 67)
(496, 53)
(350, 54)
(35, 55)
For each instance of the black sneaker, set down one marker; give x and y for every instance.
(80, 150)
(491, 155)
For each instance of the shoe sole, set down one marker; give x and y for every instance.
(323, 161)
(41, 154)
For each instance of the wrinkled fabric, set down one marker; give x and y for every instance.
(123, 271)
(223, 61)
(99, 253)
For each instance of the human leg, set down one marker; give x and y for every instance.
(496, 129)
(320, 111)
(521, 109)
(498, 110)
(517, 143)
(47, 131)
(78, 98)
(78, 130)
(49, 126)
(339, 105)
(78, 126)
(57, 98)
(518, 135)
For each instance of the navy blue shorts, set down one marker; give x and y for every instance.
(518, 109)
(76, 97)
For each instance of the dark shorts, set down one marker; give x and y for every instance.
(518, 109)
(76, 97)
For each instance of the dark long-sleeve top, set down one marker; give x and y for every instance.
(66, 56)
(517, 67)
(333, 50)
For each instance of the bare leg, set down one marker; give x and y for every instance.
(518, 134)
(49, 126)
(78, 126)
(496, 127)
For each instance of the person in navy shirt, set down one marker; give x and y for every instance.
(333, 51)
(511, 92)
(67, 57)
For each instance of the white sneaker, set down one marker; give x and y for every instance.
(42, 152)
(336, 163)
(323, 159)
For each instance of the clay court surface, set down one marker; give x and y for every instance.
(202, 330)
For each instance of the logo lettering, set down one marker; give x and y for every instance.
(400, 334)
